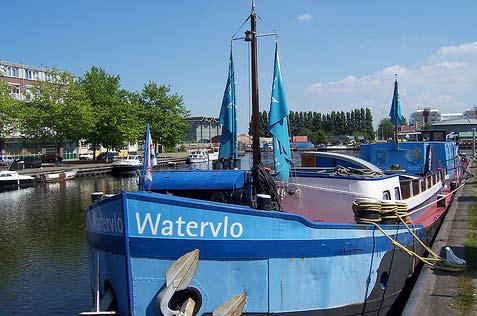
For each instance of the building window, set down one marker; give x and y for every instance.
(35, 75)
(28, 74)
(15, 89)
(12, 71)
(47, 76)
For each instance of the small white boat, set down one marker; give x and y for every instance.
(59, 176)
(11, 180)
(127, 166)
(198, 156)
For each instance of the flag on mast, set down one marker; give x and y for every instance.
(228, 117)
(149, 160)
(278, 121)
(395, 113)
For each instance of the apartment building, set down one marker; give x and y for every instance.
(425, 116)
(22, 77)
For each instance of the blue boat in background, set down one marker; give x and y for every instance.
(334, 240)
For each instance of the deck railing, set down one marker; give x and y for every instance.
(410, 188)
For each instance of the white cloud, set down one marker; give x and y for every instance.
(447, 80)
(459, 51)
(304, 17)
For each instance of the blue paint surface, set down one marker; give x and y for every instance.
(203, 179)
(273, 257)
(411, 156)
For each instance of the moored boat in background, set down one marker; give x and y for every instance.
(11, 180)
(58, 176)
(127, 166)
(198, 156)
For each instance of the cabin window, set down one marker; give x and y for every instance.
(397, 194)
(386, 195)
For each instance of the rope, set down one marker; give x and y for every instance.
(345, 171)
(263, 183)
(248, 17)
(436, 261)
(268, 25)
(412, 253)
(326, 189)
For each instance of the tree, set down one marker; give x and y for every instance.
(58, 110)
(369, 125)
(165, 113)
(8, 111)
(116, 115)
(385, 129)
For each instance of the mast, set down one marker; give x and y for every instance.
(396, 119)
(255, 99)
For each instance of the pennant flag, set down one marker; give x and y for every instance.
(149, 160)
(228, 117)
(395, 112)
(278, 120)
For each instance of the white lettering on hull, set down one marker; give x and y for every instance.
(147, 224)
(107, 224)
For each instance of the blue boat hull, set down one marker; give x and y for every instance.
(285, 264)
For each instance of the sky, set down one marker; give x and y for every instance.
(335, 55)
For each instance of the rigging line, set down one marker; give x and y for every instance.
(248, 17)
(268, 25)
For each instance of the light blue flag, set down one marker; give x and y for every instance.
(228, 118)
(278, 121)
(395, 112)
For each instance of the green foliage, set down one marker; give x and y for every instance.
(8, 109)
(319, 138)
(95, 108)
(320, 127)
(115, 111)
(465, 300)
(58, 110)
(385, 129)
(165, 113)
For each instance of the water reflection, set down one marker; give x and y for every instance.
(43, 266)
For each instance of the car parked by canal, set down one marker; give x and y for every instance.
(108, 156)
(6, 160)
(26, 162)
(49, 158)
(86, 156)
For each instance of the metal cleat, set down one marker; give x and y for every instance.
(231, 307)
(178, 277)
(453, 260)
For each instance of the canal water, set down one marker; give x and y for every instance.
(43, 257)
(43, 251)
